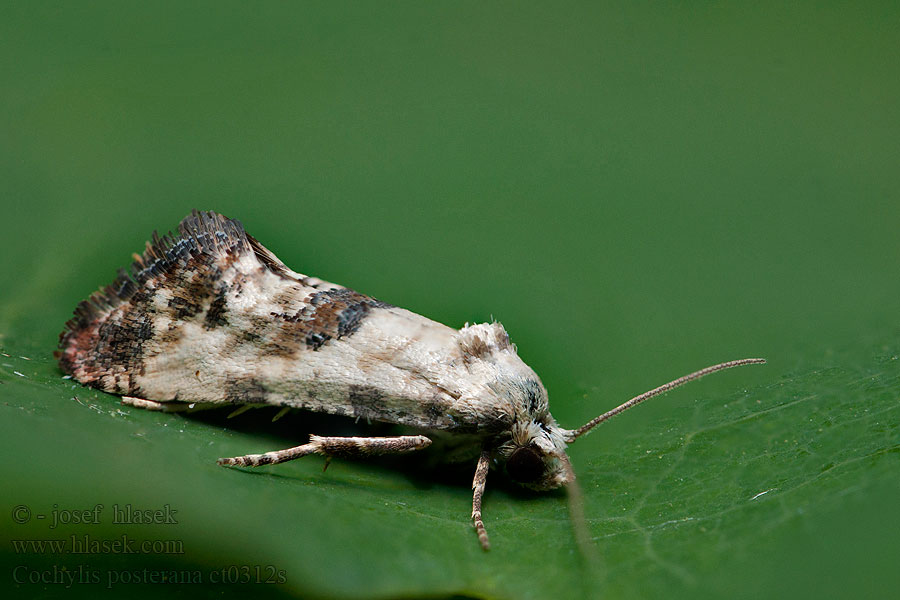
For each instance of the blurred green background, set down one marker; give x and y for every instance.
(634, 190)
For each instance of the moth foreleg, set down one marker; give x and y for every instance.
(334, 446)
(481, 472)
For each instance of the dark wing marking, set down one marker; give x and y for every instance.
(200, 233)
(109, 328)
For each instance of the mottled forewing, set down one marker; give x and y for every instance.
(210, 315)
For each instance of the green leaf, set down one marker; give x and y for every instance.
(704, 501)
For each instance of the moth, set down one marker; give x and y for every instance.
(209, 317)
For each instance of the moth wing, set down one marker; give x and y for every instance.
(212, 316)
(178, 278)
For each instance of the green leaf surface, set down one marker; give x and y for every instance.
(695, 502)
(635, 192)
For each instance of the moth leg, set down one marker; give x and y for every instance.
(145, 404)
(333, 446)
(284, 410)
(481, 472)
(170, 406)
(173, 406)
(240, 410)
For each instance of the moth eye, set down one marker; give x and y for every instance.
(525, 465)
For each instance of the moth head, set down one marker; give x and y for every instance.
(532, 468)
(536, 457)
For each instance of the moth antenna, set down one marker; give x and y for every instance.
(574, 434)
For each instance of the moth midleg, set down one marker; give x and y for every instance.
(481, 471)
(333, 446)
